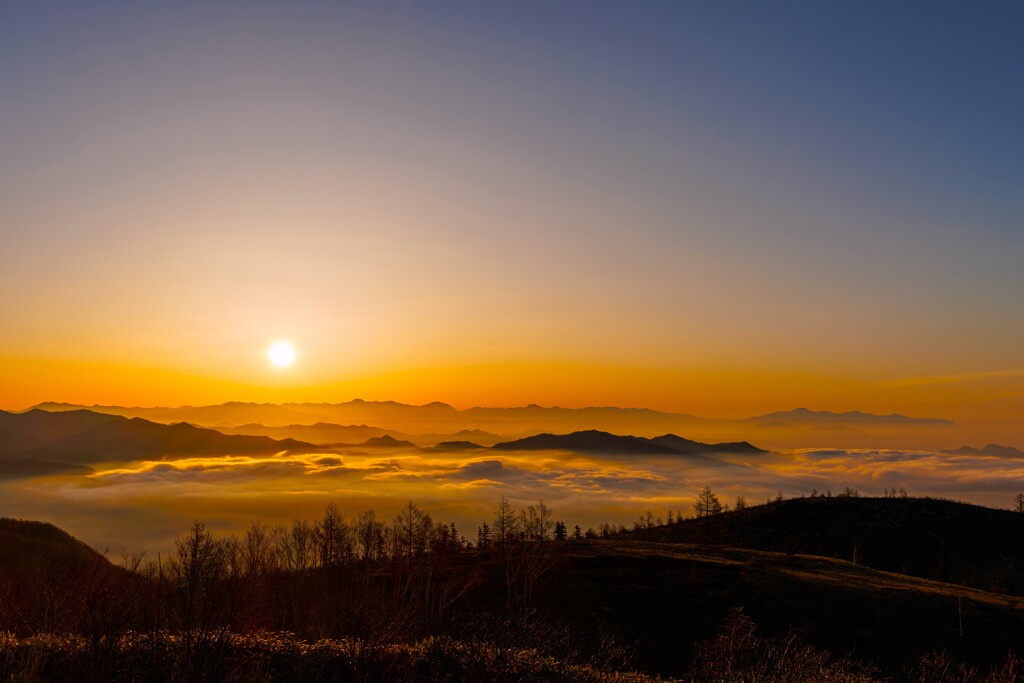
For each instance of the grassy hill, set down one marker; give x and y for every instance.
(935, 539)
(646, 602)
(27, 547)
(46, 576)
(664, 597)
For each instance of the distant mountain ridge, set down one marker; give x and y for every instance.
(990, 449)
(853, 416)
(434, 417)
(596, 441)
(386, 441)
(443, 420)
(71, 439)
(327, 434)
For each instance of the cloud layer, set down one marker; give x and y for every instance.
(144, 505)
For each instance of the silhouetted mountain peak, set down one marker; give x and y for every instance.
(386, 441)
(856, 416)
(92, 437)
(456, 446)
(596, 441)
(993, 449)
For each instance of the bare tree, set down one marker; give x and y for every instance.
(334, 541)
(295, 546)
(506, 525)
(205, 605)
(369, 535)
(706, 506)
(412, 531)
(257, 551)
(483, 536)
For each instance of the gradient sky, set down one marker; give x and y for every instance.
(719, 208)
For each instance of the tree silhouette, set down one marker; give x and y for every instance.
(333, 537)
(1018, 502)
(536, 522)
(707, 505)
(741, 503)
(199, 571)
(370, 536)
(483, 536)
(412, 529)
(506, 525)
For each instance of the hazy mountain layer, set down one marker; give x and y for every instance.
(594, 441)
(429, 424)
(84, 436)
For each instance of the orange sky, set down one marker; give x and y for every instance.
(995, 397)
(492, 206)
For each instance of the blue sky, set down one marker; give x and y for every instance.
(818, 187)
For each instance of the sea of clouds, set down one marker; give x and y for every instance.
(144, 505)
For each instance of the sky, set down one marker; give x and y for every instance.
(715, 208)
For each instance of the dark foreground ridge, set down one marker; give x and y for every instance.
(363, 600)
(929, 538)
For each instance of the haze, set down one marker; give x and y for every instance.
(716, 212)
(689, 208)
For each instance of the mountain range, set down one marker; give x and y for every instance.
(325, 433)
(991, 449)
(594, 441)
(443, 419)
(37, 442)
(802, 415)
(45, 442)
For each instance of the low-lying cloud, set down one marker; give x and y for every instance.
(144, 505)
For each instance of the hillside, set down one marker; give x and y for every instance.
(655, 601)
(44, 427)
(20, 468)
(48, 579)
(29, 547)
(136, 437)
(82, 437)
(663, 597)
(933, 539)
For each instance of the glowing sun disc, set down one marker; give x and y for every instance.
(282, 354)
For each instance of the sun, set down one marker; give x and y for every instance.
(281, 354)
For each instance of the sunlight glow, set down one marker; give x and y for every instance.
(281, 354)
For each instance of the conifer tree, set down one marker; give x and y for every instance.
(707, 505)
